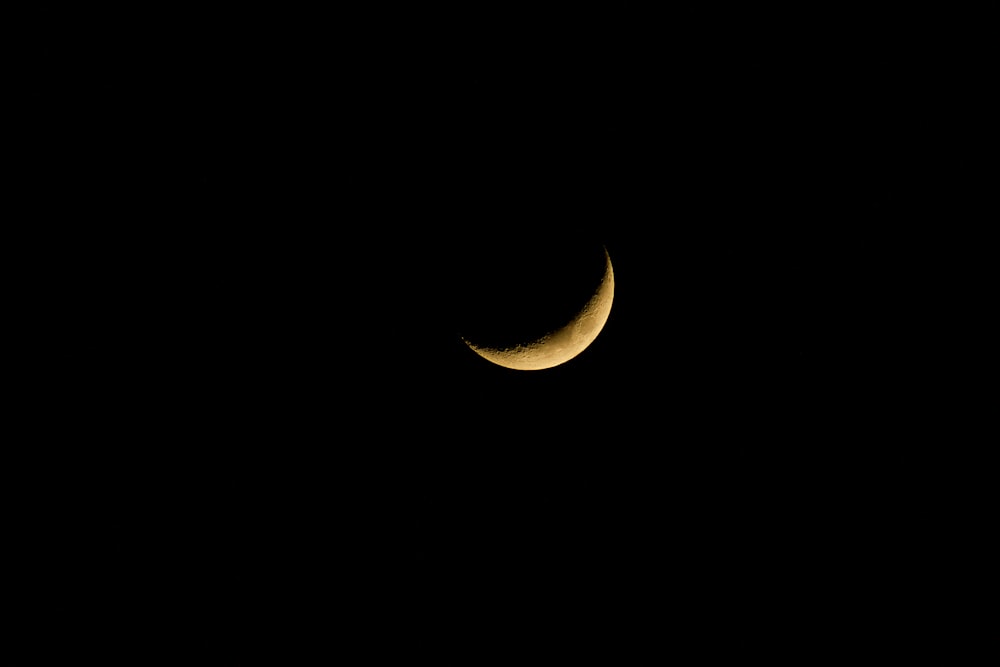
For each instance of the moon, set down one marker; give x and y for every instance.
(564, 343)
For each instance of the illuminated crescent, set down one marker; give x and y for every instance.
(565, 343)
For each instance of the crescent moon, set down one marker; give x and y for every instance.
(565, 343)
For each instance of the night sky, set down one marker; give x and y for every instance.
(285, 251)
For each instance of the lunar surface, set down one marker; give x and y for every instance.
(564, 343)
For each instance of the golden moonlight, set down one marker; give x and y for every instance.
(559, 346)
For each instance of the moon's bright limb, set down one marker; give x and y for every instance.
(563, 344)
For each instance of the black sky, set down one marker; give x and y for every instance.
(278, 243)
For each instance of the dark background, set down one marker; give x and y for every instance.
(259, 291)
